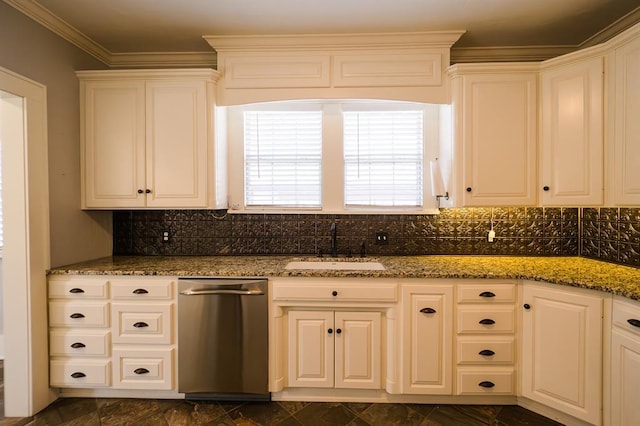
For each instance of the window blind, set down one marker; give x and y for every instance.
(283, 155)
(383, 158)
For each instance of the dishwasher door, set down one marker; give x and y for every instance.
(223, 338)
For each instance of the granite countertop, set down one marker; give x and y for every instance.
(572, 271)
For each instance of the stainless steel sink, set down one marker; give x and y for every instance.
(336, 265)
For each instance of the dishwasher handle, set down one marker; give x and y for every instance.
(196, 292)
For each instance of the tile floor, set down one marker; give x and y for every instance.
(148, 412)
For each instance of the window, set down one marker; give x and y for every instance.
(383, 158)
(283, 158)
(332, 156)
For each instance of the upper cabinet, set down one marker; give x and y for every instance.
(624, 119)
(149, 140)
(493, 150)
(571, 143)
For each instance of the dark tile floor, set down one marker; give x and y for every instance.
(149, 412)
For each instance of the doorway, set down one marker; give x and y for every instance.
(23, 143)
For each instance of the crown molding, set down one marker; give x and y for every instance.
(163, 59)
(606, 34)
(507, 53)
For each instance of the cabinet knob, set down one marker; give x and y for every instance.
(526, 306)
(76, 315)
(338, 330)
(486, 384)
(141, 325)
(545, 188)
(140, 291)
(76, 290)
(141, 371)
(334, 293)
(78, 375)
(428, 311)
(140, 191)
(330, 331)
(486, 352)
(634, 322)
(486, 321)
(468, 189)
(147, 191)
(78, 345)
(487, 294)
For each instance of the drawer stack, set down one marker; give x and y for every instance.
(79, 333)
(485, 349)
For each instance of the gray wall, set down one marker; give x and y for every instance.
(31, 50)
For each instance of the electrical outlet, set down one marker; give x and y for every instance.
(491, 236)
(382, 238)
(166, 236)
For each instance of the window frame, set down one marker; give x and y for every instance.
(332, 189)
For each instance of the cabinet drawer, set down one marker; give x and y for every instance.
(486, 293)
(489, 381)
(362, 291)
(79, 343)
(626, 316)
(149, 323)
(89, 288)
(80, 373)
(490, 351)
(78, 314)
(142, 289)
(143, 369)
(498, 319)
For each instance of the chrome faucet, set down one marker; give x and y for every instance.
(334, 239)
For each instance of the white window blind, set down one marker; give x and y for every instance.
(383, 158)
(283, 158)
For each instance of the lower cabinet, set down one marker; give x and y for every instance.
(427, 339)
(625, 362)
(562, 349)
(335, 349)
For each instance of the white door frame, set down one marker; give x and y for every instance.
(26, 254)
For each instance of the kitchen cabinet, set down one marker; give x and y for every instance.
(485, 338)
(624, 110)
(149, 140)
(562, 349)
(572, 156)
(493, 150)
(625, 362)
(335, 349)
(427, 338)
(112, 332)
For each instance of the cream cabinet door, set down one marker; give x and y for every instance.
(358, 350)
(572, 134)
(626, 125)
(496, 119)
(625, 379)
(311, 349)
(562, 350)
(176, 143)
(113, 148)
(427, 339)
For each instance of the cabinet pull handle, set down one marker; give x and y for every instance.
(141, 371)
(338, 330)
(486, 352)
(330, 331)
(428, 311)
(140, 324)
(487, 294)
(487, 321)
(468, 189)
(486, 384)
(526, 306)
(76, 290)
(545, 188)
(140, 291)
(78, 375)
(140, 191)
(147, 191)
(334, 293)
(634, 322)
(76, 315)
(78, 345)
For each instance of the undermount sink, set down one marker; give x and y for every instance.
(336, 266)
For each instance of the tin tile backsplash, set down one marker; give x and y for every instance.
(519, 231)
(611, 234)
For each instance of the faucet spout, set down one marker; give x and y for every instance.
(334, 239)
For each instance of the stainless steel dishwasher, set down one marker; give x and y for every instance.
(223, 338)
